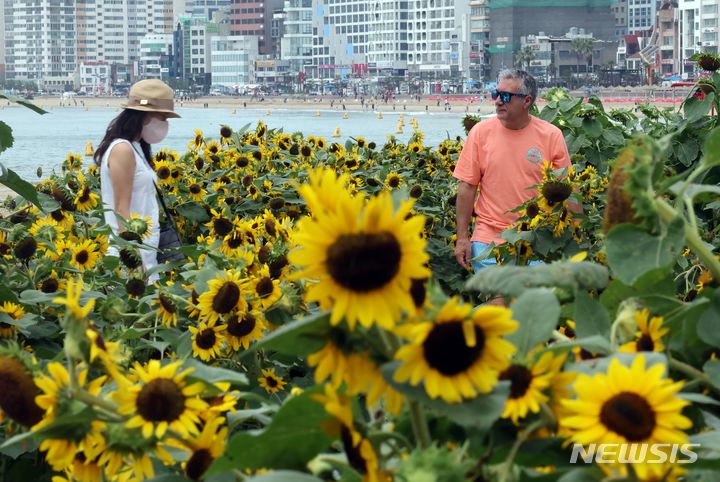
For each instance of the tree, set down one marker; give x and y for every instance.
(524, 56)
(583, 48)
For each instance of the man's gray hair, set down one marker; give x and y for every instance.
(527, 81)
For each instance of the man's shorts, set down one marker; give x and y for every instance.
(478, 248)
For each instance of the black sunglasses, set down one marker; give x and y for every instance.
(504, 96)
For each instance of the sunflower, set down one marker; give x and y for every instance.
(72, 300)
(331, 362)
(196, 191)
(461, 354)
(18, 392)
(271, 382)
(225, 294)
(5, 247)
(364, 261)
(244, 327)
(167, 308)
(15, 312)
(364, 376)
(46, 228)
(527, 385)
(219, 225)
(627, 405)
(649, 336)
(108, 352)
(265, 288)
(86, 199)
(52, 283)
(206, 340)
(141, 225)
(416, 148)
(84, 255)
(163, 171)
(393, 180)
(204, 448)
(359, 451)
(161, 400)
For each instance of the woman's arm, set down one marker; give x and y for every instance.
(121, 164)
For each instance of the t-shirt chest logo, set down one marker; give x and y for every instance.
(534, 155)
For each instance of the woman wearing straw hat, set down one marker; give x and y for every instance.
(127, 178)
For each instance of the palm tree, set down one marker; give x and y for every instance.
(583, 47)
(524, 56)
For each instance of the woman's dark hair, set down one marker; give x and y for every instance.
(128, 125)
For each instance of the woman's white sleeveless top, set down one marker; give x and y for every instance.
(143, 200)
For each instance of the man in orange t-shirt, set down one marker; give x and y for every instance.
(503, 157)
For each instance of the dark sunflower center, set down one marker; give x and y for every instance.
(394, 182)
(520, 378)
(85, 196)
(206, 339)
(354, 456)
(555, 191)
(446, 350)
(271, 382)
(364, 262)
(160, 400)
(270, 227)
(351, 163)
(235, 241)
(50, 285)
(135, 287)
(306, 151)
(240, 327)
(264, 287)
(198, 463)
(222, 226)
(82, 257)
(163, 172)
(195, 189)
(418, 292)
(645, 343)
(532, 210)
(226, 298)
(630, 415)
(167, 303)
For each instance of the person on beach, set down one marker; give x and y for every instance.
(502, 156)
(127, 177)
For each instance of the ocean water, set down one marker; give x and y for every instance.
(45, 140)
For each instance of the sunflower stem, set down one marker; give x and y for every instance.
(668, 214)
(522, 437)
(693, 373)
(419, 424)
(90, 399)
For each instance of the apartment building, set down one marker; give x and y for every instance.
(669, 38)
(641, 16)
(388, 42)
(41, 42)
(296, 44)
(232, 61)
(698, 31)
(254, 17)
(157, 57)
(479, 57)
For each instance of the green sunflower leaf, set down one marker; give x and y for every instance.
(537, 310)
(299, 338)
(480, 412)
(209, 374)
(590, 316)
(712, 148)
(284, 476)
(632, 252)
(6, 137)
(293, 438)
(514, 280)
(24, 103)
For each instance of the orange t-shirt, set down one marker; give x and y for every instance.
(505, 163)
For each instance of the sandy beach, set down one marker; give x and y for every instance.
(470, 103)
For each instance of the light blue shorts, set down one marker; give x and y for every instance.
(478, 248)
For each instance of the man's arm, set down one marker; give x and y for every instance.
(463, 210)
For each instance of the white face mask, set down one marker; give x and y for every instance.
(155, 130)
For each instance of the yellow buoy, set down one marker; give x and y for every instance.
(379, 115)
(346, 115)
(89, 149)
(317, 114)
(267, 112)
(337, 132)
(399, 130)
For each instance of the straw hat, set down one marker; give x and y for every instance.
(151, 95)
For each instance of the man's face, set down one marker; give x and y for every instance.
(518, 107)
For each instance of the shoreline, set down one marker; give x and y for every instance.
(469, 105)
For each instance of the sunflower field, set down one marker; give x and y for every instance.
(318, 327)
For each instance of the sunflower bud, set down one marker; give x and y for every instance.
(225, 132)
(18, 392)
(276, 203)
(619, 207)
(112, 309)
(135, 287)
(130, 258)
(416, 191)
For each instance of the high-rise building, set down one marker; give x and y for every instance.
(669, 38)
(512, 19)
(388, 39)
(619, 10)
(232, 61)
(41, 42)
(641, 16)
(478, 57)
(254, 17)
(204, 8)
(297, 40)
(698, 31)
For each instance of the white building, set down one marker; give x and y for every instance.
(388, 38)
(297, 41)
(155, 53)
(641, 16)
(41, 42)
(698, 30)
(232, 60)
(439, 38)
(96, 78)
